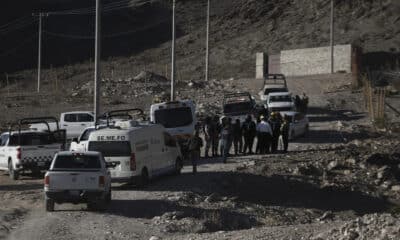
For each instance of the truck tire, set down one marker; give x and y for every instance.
(108, 197)
(49, 203)
(14, 175)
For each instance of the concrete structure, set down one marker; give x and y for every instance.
(274, 64)
(261, 65)
(312, 61)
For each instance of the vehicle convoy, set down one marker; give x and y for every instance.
(178, 118)
(299, 124)
(73, 122)
(32, 150)
(273, 83)
(238, 106)
(142, 151)
(78, 177)
(280, 102)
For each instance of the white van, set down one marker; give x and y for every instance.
(178, 117)
(141, 151)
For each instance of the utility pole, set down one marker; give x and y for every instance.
(207, 40)
(332, 37)
(97, 72)
(173, 53)
(39, 72)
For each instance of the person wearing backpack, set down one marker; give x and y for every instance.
(195, 144)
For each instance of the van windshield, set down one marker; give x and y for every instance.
(77, 162)
(111, 148)
(174, 117)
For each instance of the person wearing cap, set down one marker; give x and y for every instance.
(265, 132)
(249, 133)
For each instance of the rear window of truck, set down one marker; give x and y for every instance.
(77, 162)
(32, 139)
(111, 148)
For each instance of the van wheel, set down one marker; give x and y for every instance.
(14, 175)
(49, 203)
(144, 178)
(178, 166)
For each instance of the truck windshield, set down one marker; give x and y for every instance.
(32, 139)
(274, 90)
(77, 162)
(174, 117)
(239, 107)
(111, 148)
(284, 98)
(281, 109)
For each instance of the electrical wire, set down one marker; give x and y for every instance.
(17, 26)
(23, 44)
(113, 35)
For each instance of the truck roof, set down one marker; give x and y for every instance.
(70, 153)
(25, 131)
(280, 94)
(124, 130)
(77, 112)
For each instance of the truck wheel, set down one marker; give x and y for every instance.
(178, 166)
(49, 204)
(14, 175)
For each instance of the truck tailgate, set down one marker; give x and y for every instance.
(40, 154)
(85, 180)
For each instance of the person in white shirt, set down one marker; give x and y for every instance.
(265, 135)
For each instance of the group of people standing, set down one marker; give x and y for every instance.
(220, 136)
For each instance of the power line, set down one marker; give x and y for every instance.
(24, 43)
(113, 35)
(16, 26)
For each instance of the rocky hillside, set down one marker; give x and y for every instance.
(138, 38)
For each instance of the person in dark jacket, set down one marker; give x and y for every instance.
(195, 144)
(249, 133)
(285, 128)
(275, 124)
(226, 136)
(208, 135)
(216, 130)
(237, 137)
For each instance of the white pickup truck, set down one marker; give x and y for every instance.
(31, 150)
(78, 177)
(73, 122)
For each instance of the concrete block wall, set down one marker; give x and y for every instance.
(311, 61)
(260, 65)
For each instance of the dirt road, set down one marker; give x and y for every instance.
(281, 196)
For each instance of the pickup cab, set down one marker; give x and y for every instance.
(78, 177)
(73, 122)
(29, 150)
